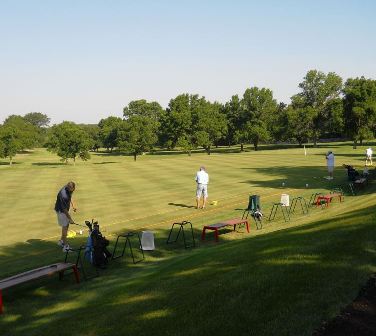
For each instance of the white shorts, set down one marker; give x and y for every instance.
(62, 219)
(202, 189)
(330, 169)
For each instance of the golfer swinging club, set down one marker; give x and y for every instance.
(202, 179)
(62, 205)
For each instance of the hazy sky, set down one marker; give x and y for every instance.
(85, 60)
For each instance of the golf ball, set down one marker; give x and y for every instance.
(283, 184)
(80, 231)
(306, 185)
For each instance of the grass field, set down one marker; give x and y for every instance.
(281, 280)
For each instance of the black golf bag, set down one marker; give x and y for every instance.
(96, 247)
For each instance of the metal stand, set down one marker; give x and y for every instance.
(181, 229)
(128, 237)
(285, 212)
(79, 263)
(303, 204)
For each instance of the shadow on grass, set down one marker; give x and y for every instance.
(104, 162)
(7, 163)
(49, 164)
(182, 205)
(302, 275)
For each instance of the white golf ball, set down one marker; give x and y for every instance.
(306, 185)
(81, 232)
(283, 184)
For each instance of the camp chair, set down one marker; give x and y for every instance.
(254, 209)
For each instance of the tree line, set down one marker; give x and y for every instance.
(325, 106)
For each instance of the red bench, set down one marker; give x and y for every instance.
(231, 222)
(36, 274)
(328, 198)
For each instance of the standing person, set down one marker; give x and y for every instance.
(62, 205)
(369, 153)
(202, 180)
(330, 164)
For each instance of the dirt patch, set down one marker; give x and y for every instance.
(358, 318)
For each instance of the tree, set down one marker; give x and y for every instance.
(318, 91)
(360, 108)
(94, 133)
(108, 132)
(69, 141)
(177, 121)
(40, 121)
(11, 141)
(37, 119)
(137, 135)
(257, 107)
(27, 134)
(143, 108)
(211, 124)
(300, 123)
(235, 122)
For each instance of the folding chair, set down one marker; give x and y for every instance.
(181, 229)
(254, 209)
(312, 199)
(283, 205)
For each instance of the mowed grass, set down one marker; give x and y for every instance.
(281, 280)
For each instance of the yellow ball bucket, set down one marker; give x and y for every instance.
(71, 234)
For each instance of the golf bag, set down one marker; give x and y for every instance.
(96, 247)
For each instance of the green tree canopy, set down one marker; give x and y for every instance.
(137, 135)
(69, 141)
(11, 141)
(318, 92)
(257, 108)
(108, 131)
(143, 108)
(360, 108)
(37, 119)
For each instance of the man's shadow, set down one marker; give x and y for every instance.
(182, 205)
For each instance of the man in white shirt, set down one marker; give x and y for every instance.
(202, 180)
(369, 156)
(330, 164)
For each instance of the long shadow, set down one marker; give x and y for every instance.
(104, 162)
(7, 163)
(49, 164)
(182, 205)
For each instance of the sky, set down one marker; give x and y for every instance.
(82, 60)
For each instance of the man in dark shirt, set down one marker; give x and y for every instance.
(62, 206)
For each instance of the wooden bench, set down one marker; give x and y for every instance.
(328, 198)
(36, 274)
(231, 222)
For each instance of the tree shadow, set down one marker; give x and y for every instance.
(304, 178)
(104, 162)
(7, 163)
(49, 164)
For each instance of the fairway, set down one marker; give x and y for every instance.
(303, 270)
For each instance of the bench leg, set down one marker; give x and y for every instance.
(76, 274)
(1, 302)
(247, 226)
(216, 235)
(203, 234)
